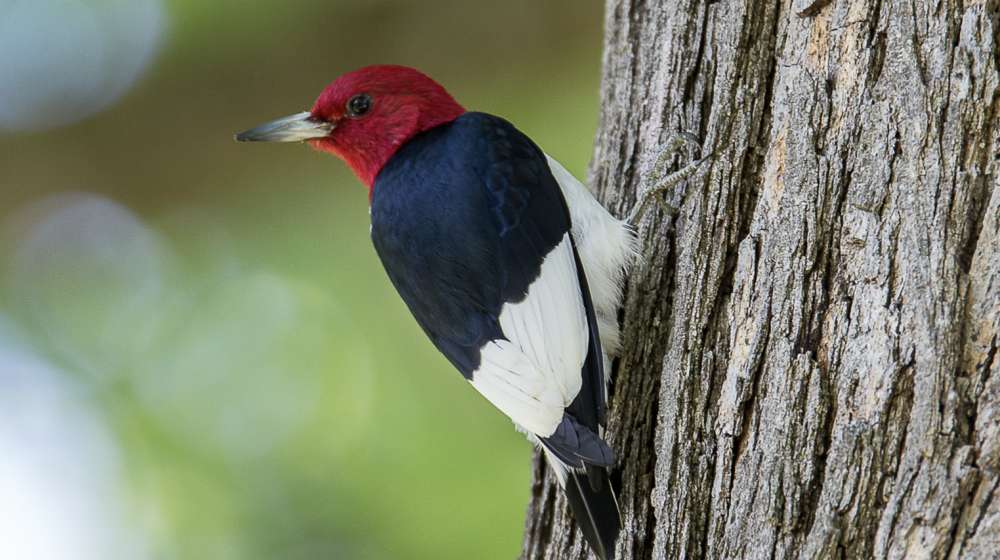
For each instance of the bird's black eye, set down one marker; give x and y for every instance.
(359, 105)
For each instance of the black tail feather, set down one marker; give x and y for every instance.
(596, 511)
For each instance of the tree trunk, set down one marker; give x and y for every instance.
(809, 367)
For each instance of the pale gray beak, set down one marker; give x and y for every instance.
(295, 128)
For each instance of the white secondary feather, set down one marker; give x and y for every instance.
(534, 374)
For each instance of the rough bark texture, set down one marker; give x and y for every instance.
(810, 362)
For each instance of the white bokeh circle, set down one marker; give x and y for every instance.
(65, 60)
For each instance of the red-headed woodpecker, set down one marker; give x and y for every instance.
(506, 261)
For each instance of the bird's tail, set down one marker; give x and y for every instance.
(595, 508)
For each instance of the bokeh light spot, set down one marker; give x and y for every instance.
(62, 495)
(65, 60)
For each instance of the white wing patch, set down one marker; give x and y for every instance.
(536, 373)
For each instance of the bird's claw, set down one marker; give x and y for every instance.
(655, 182)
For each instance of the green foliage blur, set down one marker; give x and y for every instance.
(231, 323)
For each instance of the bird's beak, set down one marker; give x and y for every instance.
(303, 126)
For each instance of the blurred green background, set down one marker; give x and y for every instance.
(200, 355)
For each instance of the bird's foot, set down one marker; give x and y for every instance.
(656, 183)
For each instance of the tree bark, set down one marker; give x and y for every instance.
(809, 367)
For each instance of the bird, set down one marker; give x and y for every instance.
(508, 263)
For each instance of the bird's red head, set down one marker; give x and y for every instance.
(375, 110)
(365, 116)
